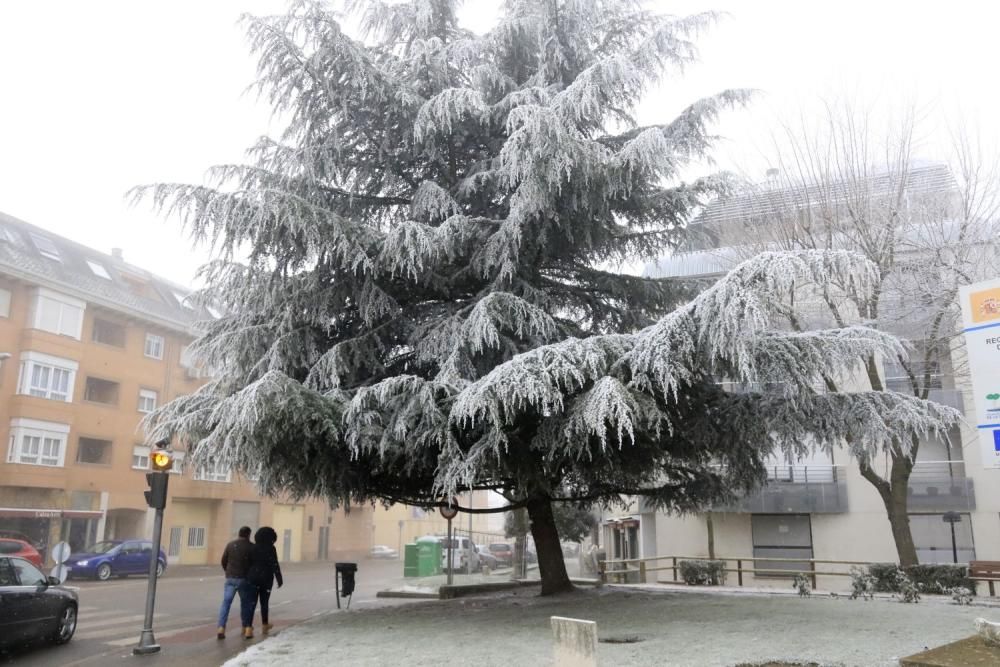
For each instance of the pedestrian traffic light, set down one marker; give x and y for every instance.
(156, 497)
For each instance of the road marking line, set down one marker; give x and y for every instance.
(159, 635)
(85, 615)
(117, 620)
(123, 625)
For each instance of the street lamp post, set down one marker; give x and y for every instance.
(161, 461)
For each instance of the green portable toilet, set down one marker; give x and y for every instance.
(410, 564)
(428, 557)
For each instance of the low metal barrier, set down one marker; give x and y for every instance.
(619, 571)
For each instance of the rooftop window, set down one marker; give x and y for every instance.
(182, 299)
(98, 269)
(46, 247)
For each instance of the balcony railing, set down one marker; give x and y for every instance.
(797, 489)
(940, 486)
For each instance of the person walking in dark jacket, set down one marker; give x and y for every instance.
(264, 571)
(236, 563)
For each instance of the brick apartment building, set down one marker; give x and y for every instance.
(94, 343)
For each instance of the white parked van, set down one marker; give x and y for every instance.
(464, 549)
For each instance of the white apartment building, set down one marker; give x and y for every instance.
(820, 507)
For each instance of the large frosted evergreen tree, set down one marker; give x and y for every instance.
(413, 284)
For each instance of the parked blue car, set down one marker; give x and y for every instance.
(115, 558)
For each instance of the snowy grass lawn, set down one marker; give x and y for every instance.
(674, 629)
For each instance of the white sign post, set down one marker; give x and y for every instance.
(981, 320)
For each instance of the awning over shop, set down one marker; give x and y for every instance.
(29, 513)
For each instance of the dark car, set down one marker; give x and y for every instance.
(33, 606)
(115, 558)
(502, 552)
(21, 549)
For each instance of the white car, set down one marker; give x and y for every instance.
(382, 551)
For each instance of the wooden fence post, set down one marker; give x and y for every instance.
(675, 567)
(642, 572)
(739, 571)
(601, 566)
(812, 567)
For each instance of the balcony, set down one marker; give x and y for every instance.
(940, 486)
(797, 489)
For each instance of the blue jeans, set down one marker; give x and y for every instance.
(229, 591)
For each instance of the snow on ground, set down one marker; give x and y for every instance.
(677, 629)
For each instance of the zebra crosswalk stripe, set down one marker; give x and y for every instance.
(159, 635)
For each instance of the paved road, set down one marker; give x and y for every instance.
(186, 608)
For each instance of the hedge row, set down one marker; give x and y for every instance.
(930, 579)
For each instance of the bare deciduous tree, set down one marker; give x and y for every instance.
(929, 227)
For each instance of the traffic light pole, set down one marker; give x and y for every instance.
(147, 642)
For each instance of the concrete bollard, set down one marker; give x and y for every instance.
(575, 642)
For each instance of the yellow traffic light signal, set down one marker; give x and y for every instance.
(161, 460)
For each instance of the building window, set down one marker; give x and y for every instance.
(36, 442)
(140, 457)
(213, 472)
(92, 450)
(46, 247)
(781, 536)
(932, 539)
(101, 391)
(196, 538)
(147, 400)
(45, 376)
(98, 269)
(154, 346)
(109, 333)
(4, 303)
(57, 313)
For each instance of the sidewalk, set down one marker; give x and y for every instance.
(637, 625)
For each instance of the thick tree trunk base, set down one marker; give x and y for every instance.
(899, 521)
(551, 564)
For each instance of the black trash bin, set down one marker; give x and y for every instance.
(344, 574)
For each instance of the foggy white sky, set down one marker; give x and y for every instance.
(98, 96)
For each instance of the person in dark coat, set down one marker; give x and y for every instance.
(263, 572)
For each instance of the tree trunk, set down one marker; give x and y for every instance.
(711, 535)
(894, 496)
(899, 519)
(551, 564)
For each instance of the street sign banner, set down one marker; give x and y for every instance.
(60, 553)
(981, 319)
